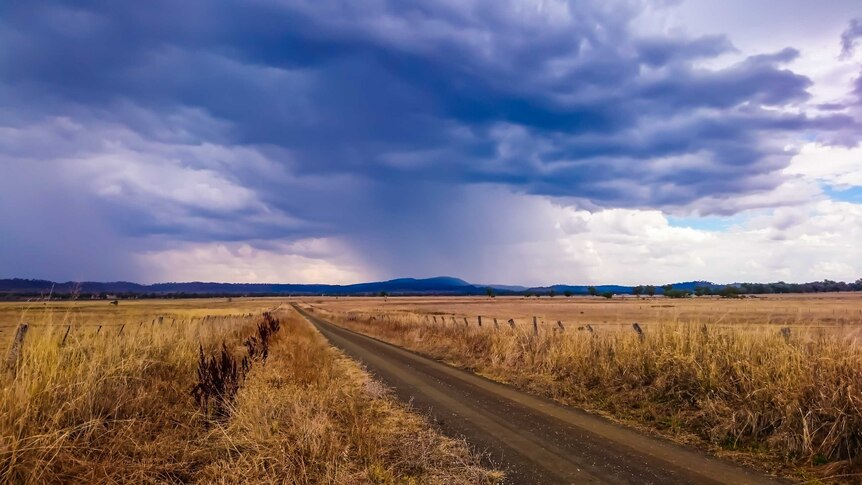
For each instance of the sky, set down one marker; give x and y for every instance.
(500, 141)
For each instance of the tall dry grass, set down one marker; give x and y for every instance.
(788, 402)
(111, 404)
(311, 415)
(116, 406)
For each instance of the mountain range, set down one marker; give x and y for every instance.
(442, 285)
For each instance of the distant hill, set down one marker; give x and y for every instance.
(443, 285)
(618, 289)
(402, 286)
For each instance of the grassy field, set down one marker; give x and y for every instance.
(824, 310)
(716, 373)
(114, 403)
(102, 392)
(87, 315)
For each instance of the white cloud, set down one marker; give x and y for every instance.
(811, 242)
(833, 165)
(304, 261)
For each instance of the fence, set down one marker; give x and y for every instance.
(533, 325)
(20, 334)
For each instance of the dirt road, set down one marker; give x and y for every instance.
(533, 439)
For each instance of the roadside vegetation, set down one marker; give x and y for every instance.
(311, 415)
(789, 402)
(227, 399)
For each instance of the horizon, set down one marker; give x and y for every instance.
(510, 141)
(439, 277)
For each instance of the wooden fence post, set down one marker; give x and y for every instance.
(466, 323)
(68, 327)
(17, 344)
(496, 325)
(121, 329)
(434, 317)
(638, 329)
(480, 320)
(590, 328)
(535, 327)
(560, 324)
(785, 332)
(98, 330)
(512, 323)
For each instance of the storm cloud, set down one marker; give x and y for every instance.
(418, 134)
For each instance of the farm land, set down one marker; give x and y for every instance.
(119, 392)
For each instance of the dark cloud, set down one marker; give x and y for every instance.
(366, 120)
(851, 36)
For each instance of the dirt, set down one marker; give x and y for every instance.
(532, 439)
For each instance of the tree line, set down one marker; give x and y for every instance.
(734, 290)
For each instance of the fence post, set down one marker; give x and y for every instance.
(434, 317)
(68, 327)
(17, 344)
(785, 332)
(480, 320)
(496, 325)
(535, 327)
(466, 323)
(512, 323)
(121, 329)
(560, 324)
(98, 330)
(638, 329)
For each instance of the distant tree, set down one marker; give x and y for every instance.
(729, 291)
(552, 293)
(667, 288)
(650, 290)
(567, 293)
(528, 294)
(638, 290)
(608, 294)
(592, 291)
(677, 293)
(384, 294)
(490, 292)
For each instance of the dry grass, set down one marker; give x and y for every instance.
(92, 313)
(105, 406)
(115, 406)
(822, 310)
(742, 390)
(312, 415)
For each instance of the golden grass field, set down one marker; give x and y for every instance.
(714, 373)
(111, 405)
(823, 310)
